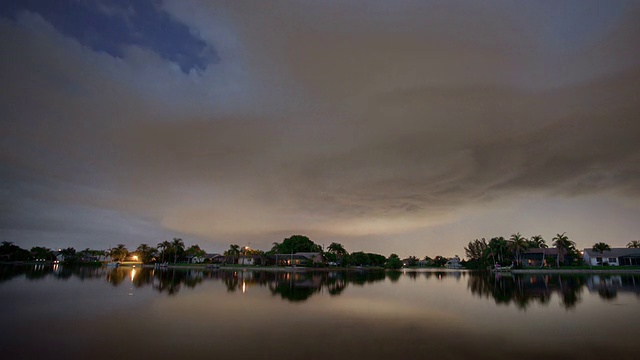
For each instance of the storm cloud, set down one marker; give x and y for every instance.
(405, 127)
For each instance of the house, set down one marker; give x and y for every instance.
(314, 257)
(614, 257)
(453, 263)
(297, 259)
(542, 257)
(250, 260)
(205, 258)
(424, 262)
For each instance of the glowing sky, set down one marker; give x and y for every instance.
(389, 126)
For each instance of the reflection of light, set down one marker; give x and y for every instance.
(244, 287)
(133, 274)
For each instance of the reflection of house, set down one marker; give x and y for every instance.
(611, 284)
(541, 257)
(453, 263)
(615, 257)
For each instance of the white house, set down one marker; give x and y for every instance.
(250, 260)
(615, 257)
(453, 263)
(201, 259)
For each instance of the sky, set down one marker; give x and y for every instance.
(408, 127)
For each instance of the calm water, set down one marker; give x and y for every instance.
(190, 314)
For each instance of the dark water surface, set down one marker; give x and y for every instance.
(125, 313)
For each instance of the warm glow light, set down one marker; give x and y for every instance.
(135, 257)
(244, 287)
(133, 274)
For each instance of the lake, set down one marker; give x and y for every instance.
(125, 313)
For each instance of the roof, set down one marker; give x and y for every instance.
(251, 256)
(548, 251)
(308, 255)
(615, 252)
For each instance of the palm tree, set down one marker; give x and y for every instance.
(338, 250)
(233, 251)
(119, 252)
(165, 246)
(178, 246)
(537, 242)
(634, 244)
(146, 253)
(518, 244)
(498, 246)
(601, 247)
(562, 243)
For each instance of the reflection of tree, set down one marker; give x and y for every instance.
(607, 293)
(32, 272)
(297, 286)
(116, 276)
(292, 292)
(394, 275)
(167, 280)
(523, 290)
(231, 280)
(571, 288)
(336, 285)
(41, 271)
(143, 277)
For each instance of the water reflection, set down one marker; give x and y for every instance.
(527, 289)
(522, 291)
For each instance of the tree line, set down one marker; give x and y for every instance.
(166, 251)
(479, 252)
(498, 250)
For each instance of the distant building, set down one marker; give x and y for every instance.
(453, 263)
(250, 260)
(614, 257)
(297, 259)
(202, 259)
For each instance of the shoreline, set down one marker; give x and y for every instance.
(610, 270)
(575, 271)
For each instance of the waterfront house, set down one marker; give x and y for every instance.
(541, 257)
(205, 258)
(453, 263)
(314, 257)
(297, 259)
(250, 260)
(614, 257)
